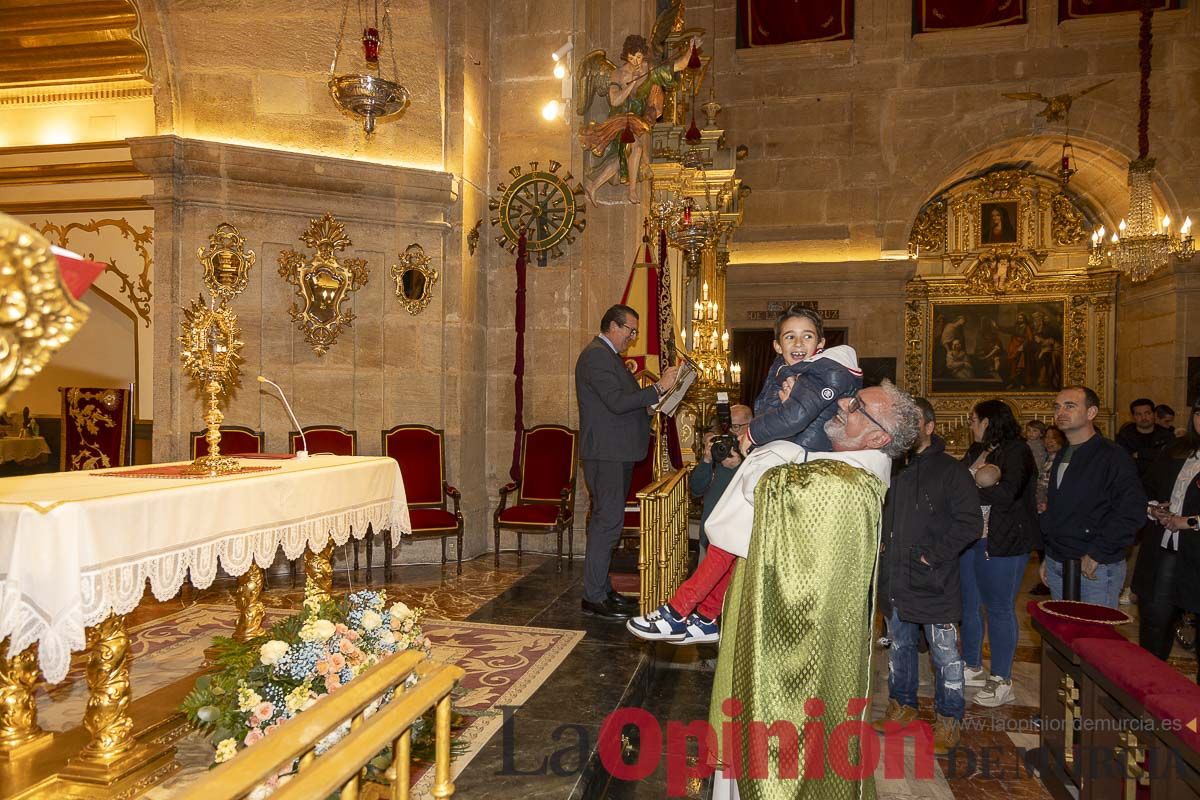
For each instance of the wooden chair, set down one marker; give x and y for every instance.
(325, 439)
(332, 440)
(545, 501)
(421, 453)
(97, 428)
(235, 439)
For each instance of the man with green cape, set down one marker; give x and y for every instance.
(796, 629)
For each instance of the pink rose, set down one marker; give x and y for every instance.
(347, 647)
(336, 662)
(322, 667)
(253, 737)
(265, 710)
(341, 628)
(332, 683)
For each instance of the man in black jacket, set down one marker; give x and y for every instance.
(1095, 504)
(931, 515)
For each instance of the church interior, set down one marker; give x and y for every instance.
(291, 302)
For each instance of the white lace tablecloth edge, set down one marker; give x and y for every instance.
(118, 590)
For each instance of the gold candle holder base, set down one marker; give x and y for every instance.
(19, 731)
(214, 465)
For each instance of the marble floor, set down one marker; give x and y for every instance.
(547, 747)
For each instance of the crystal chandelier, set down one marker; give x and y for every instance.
(1145, 244)
(368, 94)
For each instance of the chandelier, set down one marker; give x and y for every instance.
(368, 94)
(710, 347)
(1145, 244)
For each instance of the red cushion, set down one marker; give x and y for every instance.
(1068, 630)
(548, 463)
(424, 519)
(539, 514)
(233, 442)
(327, 440)
(1181, 708)
(1131, 668)
(419, 453)
(633, 519)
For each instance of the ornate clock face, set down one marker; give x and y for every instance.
(542, 204)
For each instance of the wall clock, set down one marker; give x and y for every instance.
(542, 204)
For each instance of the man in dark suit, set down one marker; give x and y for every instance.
(615, 434)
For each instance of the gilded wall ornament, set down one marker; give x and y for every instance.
(323, 283)
(1066, 223)
(136, 288)
(473, 237)
(414, 277)
(541, 204)
(37, 313)
(227, 262)
(929, 230)
(999, 272)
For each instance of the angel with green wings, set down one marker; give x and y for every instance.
(636, 94)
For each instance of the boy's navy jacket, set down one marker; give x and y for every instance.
(820, 380)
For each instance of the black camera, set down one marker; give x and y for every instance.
(724, 442)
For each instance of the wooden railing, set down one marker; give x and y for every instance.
(338, 769)
(663, 556)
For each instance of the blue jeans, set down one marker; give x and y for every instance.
(989, 585)
(947, 665)
(1104, 590)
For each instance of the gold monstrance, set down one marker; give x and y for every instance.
(211, 353)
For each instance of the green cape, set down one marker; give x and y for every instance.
(797, 626)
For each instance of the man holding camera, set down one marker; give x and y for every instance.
(614, 435)
(713, 472)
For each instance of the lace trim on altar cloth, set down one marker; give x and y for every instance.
(118, 590)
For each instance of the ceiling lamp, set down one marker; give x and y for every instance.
(1145, 244)
(368, 94)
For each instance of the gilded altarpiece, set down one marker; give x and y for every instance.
(1009, 315)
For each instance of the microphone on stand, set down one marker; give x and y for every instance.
(300, 454)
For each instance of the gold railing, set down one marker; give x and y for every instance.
(338, 769)
(663, 555)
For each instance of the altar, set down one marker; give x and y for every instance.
(77, 549)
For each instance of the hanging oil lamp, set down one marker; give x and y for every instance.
(368, 94)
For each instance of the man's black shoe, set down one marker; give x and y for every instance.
(607, 609)
(621, 601)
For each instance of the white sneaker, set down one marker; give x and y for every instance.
(974, 677)
(1126, 598)
(996, 692)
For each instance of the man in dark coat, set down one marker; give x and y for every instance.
(614, 435)
(1095, 505)
(931, 515)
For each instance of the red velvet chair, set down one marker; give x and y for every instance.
(97, 428)
(331, 439)
(420, 451)
(235, 440)
(545, 501)
(643, 476)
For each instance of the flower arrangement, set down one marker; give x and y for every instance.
(263, 682)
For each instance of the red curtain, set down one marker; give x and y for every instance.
(1074, 9)
(767, 22)
(519, 360)
(942, 15)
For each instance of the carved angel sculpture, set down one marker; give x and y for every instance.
(635, 93)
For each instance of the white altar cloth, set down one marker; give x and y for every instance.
(76, 548)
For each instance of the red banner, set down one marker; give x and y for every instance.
(767, 22)
(1075, 9)
(944, 15)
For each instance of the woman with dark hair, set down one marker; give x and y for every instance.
(993, 567)
(1169, 559)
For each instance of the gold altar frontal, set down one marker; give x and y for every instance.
(124, 748)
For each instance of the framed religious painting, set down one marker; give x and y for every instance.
(997, 347)
(998, 222)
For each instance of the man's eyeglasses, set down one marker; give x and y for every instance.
(739, 426)
(632, 331)
(857, 405)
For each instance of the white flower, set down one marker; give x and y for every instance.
(370, 620)
(317, 630)
(247, 699)
(272, 651)
(226, 749)
(400, 611)
(387, 637)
